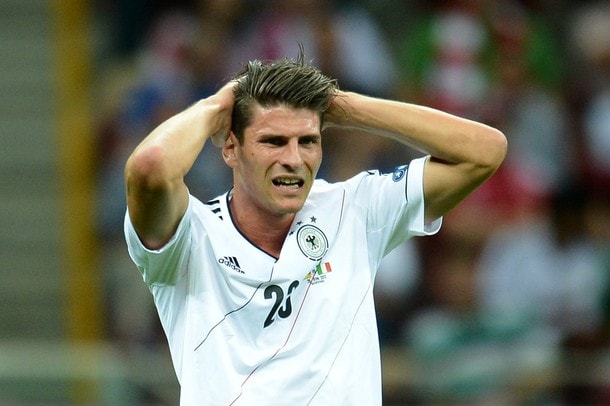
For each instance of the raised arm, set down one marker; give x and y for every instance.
(463, 153)
(154, 174)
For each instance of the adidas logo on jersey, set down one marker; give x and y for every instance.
(231, 262)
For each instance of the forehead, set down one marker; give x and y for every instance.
(283, 120)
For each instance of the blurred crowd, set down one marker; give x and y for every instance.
(511, 301)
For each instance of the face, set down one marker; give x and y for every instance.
(277, 163)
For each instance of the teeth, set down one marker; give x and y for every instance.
(287, 182)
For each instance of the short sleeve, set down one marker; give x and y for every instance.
(415, 200)
(395, 206)
(166, 265)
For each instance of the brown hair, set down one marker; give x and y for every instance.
(286, 81)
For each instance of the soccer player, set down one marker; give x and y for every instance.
(265, 293)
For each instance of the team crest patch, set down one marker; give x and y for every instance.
(399, 172)
(312, 242)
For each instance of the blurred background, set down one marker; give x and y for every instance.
(509, 304)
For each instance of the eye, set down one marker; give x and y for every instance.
(309, 140)
(274, 140)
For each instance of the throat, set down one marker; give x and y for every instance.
(270, 242)
(266, 232)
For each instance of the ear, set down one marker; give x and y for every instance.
(228, 151)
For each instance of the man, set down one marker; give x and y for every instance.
(265, 292)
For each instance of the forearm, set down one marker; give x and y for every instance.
(172, 147)
(442, 135)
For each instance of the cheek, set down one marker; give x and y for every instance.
(252, 164)
(314, 160)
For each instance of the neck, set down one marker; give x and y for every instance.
(266, 231)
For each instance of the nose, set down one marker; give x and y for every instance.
(291, 155)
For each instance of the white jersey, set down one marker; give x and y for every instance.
(246, 328)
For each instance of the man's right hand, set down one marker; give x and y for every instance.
(225, 98)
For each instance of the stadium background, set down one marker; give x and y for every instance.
(508, 305)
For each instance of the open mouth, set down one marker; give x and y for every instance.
(288, 183)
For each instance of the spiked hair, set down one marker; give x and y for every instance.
(295, 83)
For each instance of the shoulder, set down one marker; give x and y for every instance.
(215, 208)
(359, 190)
(323, 186)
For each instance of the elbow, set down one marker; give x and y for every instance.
(146, 168)
(494, 147)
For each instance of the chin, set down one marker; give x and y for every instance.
(291, 207)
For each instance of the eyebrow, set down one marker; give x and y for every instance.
(266, 137)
